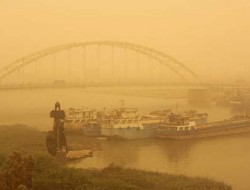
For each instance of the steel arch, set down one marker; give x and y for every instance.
(161, 57)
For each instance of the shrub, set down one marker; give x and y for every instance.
(18, 171)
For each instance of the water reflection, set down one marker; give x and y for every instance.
(223, 158)
(120, 152)
(169, 148)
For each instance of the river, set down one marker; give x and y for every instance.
(221, 158)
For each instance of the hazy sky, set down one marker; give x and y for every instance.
(210, 36)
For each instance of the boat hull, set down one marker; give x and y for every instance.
(128, 133)
(92, 131)
(216, 129)
(75, 126)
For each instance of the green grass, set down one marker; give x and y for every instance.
(52, 175)
(24, 138)
(20, 137)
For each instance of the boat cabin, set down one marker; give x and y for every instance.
(178, 123)
(80, 113)
(186, 127)
(126, 113)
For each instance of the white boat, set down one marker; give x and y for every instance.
(126, 124)
(76, 118)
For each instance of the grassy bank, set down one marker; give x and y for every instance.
(51, 175)
(27, 139)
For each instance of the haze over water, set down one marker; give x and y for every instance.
(221, 158)
(210, 37)
(32, 107)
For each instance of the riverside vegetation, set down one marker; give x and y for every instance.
(25, 164)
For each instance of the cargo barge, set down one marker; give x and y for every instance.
(127, 124)
(185, 129)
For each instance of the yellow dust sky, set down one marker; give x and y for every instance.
(212, 37)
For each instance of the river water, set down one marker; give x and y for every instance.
(225, 159)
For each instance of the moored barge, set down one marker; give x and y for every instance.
(185, 129)
(126, 124)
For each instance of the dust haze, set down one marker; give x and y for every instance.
(161, 61)
(210, 37)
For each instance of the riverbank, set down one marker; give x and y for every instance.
(53, 175)
(50, 175)
(26, 139)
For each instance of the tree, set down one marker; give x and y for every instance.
(19, 170)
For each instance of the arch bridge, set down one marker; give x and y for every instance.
(96, 63)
